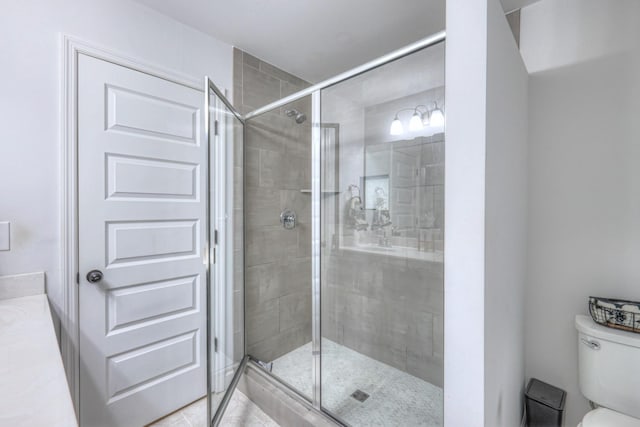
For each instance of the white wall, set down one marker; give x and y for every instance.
(29, 105)
(485, 217)
(584, 142)
(505, 224)
(465, 94)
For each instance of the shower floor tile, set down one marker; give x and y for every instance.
(395, 397)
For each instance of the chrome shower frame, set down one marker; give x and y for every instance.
(315, 91)
(385, 59)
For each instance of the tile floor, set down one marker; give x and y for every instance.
(241, 412)
(395, 397)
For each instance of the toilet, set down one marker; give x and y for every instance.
(609, 374)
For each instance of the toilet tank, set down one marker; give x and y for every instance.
(609, 366)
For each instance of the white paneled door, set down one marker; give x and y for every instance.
(141, 226)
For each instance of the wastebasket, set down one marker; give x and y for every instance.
(544, 404)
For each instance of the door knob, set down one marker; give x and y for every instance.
(94, 276)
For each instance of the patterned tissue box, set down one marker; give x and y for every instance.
(615, 313)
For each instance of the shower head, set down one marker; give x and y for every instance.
(297, 115)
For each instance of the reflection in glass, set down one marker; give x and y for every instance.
(382, 246)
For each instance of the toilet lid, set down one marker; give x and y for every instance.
(603, 417)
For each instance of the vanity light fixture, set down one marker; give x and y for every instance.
(421, 118)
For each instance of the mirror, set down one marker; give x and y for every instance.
(401, 206)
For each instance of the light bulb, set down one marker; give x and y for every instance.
(396, 127)
(437, 117)
(416, 122)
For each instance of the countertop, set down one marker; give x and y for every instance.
(33, 385)
(398, 252)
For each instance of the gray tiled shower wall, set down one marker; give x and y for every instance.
(278, 164)
(387, 308)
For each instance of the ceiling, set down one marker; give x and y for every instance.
(406, 77)
(313, 39)
(511, 5)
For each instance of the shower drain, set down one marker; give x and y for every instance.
(360, 395)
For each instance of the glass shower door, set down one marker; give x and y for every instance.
(381, 195)
(225, 297)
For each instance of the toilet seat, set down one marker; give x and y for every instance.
(603, 417)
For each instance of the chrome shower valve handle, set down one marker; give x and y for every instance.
(288, 219)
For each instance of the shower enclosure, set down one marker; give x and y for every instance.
(335, 287)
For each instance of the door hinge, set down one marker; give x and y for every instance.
(215, 345)
(215, 243)
(215, 127)
(78, 278)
